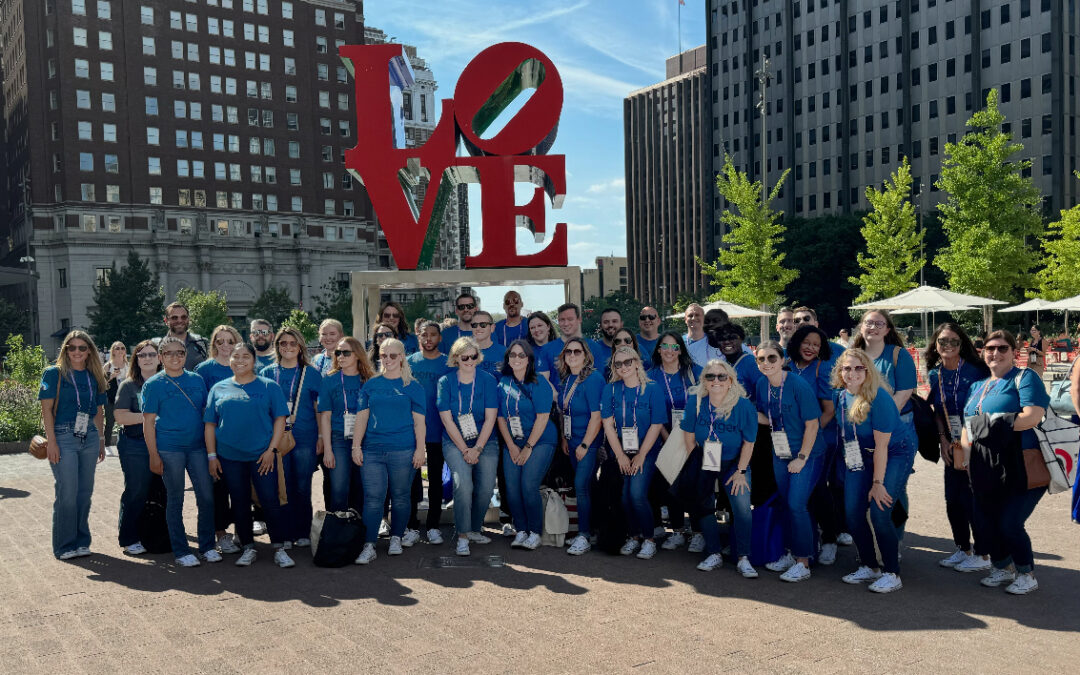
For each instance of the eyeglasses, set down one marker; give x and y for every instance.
(719, 377)
(467, 305)
(391, 315)
(391, 355)
(342, 352)
(481, 324)
(771, 358)
(997, 348)
(81, 348)
(516, 355)
(948, 342)
(852, 369)
(622, 341)
(174, 354)
(262, 331)
(146, 355)
(626, 363)
(670, 346)
(382, 335)
(288, 343)
(874, 324)
(647, 317)
(468, 357)
(802, 319)
(573, 352)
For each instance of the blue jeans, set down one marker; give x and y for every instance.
(740, 511)
(523, 487)
(795, 490)
(175, 463)
(135, 463)
(1003, 519)
(74, 475)
(584, 477)
(473, 484)
(857, 486)
(386, 472)
(344, 476)
(299, 467)
(635, 498)
(240, 477)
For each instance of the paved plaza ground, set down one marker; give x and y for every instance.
(543, 611)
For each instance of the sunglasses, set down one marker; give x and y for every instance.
(647, 317)
(802, 319)
(225, 341)
(573, 352)
(288, 343)
(516, 355)
(481, 324)
(174, 354)
(670, 346)
(146, 355)
(262, 331)
(626, 363)
(391, 315)
(852, 369)
(719, 377)
(770, 358)
(729, 338)
(391, 355)
(468, 357)
(81, 348)
(622, 341)
(948, 342)
(874, 324)
(342, 352)
(997, 348)
(467, 305)
(383, 335)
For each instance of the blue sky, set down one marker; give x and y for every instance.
(603, 49)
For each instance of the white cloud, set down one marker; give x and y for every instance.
(574, 227)
(613, 185)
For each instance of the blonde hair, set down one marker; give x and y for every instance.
(334, 323)
(734, 392)
(460, 346)
(643, 379)
(93, 359)
(406, 371)
(868, 390)
(117, 344)
(223, 328)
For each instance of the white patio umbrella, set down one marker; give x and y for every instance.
(930, 299)
(1068, 304)
(1029, 306)
(733, 311)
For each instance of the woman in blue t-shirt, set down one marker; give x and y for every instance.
(467, 406)
(389, 445)
(245, 419)
(952, 366)
(541, 333)
(877, 457)
(339, 403)
(632, 433)
(1006, 508)
(393, 315)
(790, 407)
(76, 386)
(880, 340)
(525, 402)
(300, 382)
(173, 403)
(724, 423)
(580, 388)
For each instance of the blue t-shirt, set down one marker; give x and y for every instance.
(449, 335)
(212, 372)
(646, 348)
(411, 344)
(746, 371)
(584, 401)
(545, 361)
(179, 424)
(1003, 396)
(493, 359)
(455, 398)
(263, 361)
(632, 407)
(953, 386)
(338, 394)
(903, 376)
(791, 406)
(674, 387)
(601, 355)
(288, 379)
(526, 400)
(323, 361)
(390, 405)
(739, 427)
(244, 415)
(506, 334)
(883, 417)
(86, 399)
(428, 372)
(817, 374)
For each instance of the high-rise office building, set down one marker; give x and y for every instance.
(856, 85)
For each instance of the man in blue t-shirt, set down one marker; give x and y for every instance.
(428, 365)
(464, 306)
(514, 326)
(262, 339)
(483, 325)
(649, 325)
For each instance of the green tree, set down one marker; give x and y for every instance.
(274, 305)
(301, 321)
(893, 255)
(824, 287)
(1060, 276)
(417, 309)
(990, 211)
(335, 303)
(206, 311)
(128, 306)
(750, 269)
(12, 319)
(24, 364)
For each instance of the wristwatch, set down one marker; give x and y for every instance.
(802, 456)
(583, 446)
(527, 446)
(743, 471)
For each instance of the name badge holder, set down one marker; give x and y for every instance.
(956, 427)
(780, 444)
(566, 427)
(516, 430)
(82, 424)
(712, 454)
(676, 418)
(82, 418)
(629, 440)
(467, 424)
(350, 424)
(853, 455)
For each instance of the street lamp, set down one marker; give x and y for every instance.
(763, 76)
(29, 260)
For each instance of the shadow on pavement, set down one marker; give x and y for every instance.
(13, 493)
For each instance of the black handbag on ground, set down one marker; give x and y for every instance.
(340, 541)
(153, 530)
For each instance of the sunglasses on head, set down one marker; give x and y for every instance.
(468, 357)
(342, 352)
(948, 342)
(647, 317)
(467, 305)
(81, 348)
(770, 358)
(719, 377)
(481, 324)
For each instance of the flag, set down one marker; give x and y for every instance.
(682, 2)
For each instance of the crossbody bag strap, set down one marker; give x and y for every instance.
(183, 392)
(296, 400)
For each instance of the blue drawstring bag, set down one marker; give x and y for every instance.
(447, 484)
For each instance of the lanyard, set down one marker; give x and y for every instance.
(712, 422)
(843, 416)
(956, 387)
(567, 398)
(344, 396)
(779, 402)
(277, 378)
(89, 388)
(472, 391)
(517, 398)
(634, 407)
(986, 389)
(506, 325)
(671, 397)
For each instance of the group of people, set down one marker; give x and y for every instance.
(821, 431)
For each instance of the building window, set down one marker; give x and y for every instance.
(151, 105)
(146, 15)
(290, 94)
(82, 99)
(86, 131)
(153, 166)
(155, 195)
(86, 161)
(112, 194)
(78, 36)
(149, 76)
(78, 7)
(108, 102)
(82, 69)
(116, 223)
(108, 133)
(87, 190)
(104, 40)
(61, 274)
(152, 136)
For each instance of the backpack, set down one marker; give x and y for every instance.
(926, 428)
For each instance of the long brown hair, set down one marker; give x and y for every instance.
(403, 323)
(362, 363)
(134, 371)
(301, 358)
(93, 360)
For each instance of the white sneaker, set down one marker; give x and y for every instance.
(384, 528)
(888, 583)
(282, 559)
(998, 577)
(395, 546)
(781, 564)
(477, 538)
(796, 573)
(711, 563)
(532, 542)
(955, 559)
(410, 537)
(366, 555)
(579, 546)
(697, 543)
(303, 542)
(827, 555)
(462, 546)
(861, 575)
(746, 569)
(630, 547)
(844, 539)
(212, 556)
(68, 555)
(135, 549)
(258, 528)
(188, 560)
(226, 543)
(246, 558)
(1024, 584)
(974, 563)
(648, 549)
(519, 539)
(434, 536)
(508, 530)
(674, 541)
(83, 551)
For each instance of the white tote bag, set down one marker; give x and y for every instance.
(1059, 440)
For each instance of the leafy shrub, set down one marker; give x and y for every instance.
(20, 412)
